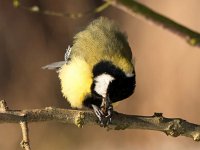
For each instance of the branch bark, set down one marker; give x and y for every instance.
(25, 144)
(143, 12)
(171, 126)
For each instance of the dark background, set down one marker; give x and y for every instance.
(168, 74)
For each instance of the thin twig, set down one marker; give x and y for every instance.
(25, 144)
(23, 123)
(37, 9)
(170, 126)
(143, 12)
(3, 106)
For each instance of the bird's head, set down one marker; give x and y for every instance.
(110, 81)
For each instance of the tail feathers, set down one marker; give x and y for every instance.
(55, 65)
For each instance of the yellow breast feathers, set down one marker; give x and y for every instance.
(76, 80)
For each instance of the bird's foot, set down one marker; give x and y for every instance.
(105, 117)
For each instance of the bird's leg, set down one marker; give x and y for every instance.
(104, 113)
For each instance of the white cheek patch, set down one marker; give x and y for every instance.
(101, 83)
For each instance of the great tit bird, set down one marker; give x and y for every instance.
(98, 69)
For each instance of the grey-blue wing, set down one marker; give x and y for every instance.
(55, 65)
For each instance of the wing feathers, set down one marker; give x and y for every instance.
(55, 65)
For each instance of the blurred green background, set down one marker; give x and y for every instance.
(167, 68)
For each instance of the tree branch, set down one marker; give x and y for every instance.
(37, 9)
(133, 8)
(25, 144)
(171, 126)
(143, 12)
